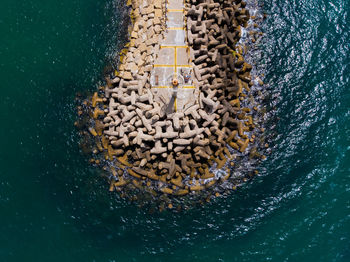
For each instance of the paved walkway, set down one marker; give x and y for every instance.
(173, 62)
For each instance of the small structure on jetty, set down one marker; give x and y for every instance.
(173, 118)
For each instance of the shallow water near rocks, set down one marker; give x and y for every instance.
(55, 207)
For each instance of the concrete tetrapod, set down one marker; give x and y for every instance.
(181, 151)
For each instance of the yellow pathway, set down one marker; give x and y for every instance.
(173, 62)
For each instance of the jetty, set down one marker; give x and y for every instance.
(172, 115)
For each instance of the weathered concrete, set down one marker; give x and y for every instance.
(173, 62)
(174, 107)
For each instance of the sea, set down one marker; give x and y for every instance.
(55, 206)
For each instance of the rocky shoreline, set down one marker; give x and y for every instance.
(193, 148)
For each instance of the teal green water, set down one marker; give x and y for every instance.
(55, 207)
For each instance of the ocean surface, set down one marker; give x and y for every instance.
(55, 207)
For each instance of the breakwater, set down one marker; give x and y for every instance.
(54, 205)
(179, 112)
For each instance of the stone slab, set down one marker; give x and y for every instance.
(182, 57)
(175, 19)
(174, 37)
(175, 4)
(166, 57)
